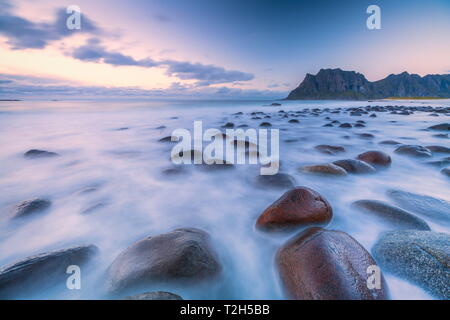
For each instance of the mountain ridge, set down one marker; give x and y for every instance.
(333, 84)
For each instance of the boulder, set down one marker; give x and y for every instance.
(321, 264)
(421, 257)
(355, 166)
(434, 208)
(181, 256)
(300, 206)
(396, 217)
(326, 169)
(155, 295)
(30, 207)
(413, 151)
(375, 158)
(33, 276)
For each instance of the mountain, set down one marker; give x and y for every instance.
(330, 84)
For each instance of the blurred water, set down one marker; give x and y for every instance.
(112, 146)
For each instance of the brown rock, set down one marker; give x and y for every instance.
(327, 168)
(376, 158)
(327, 149)
(300, 206)
(321, 264)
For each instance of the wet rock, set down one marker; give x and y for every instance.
(35, 153)
(329, 149)
(433, 208)
(321, 264)
(375, 158)
(441, 135)
(326, 169)
(276, 181)
(373, 115)
(265, 124)
(345, 125)
(294, 121)
(228, 125)
(413, 151)
(359, 125)
(34, 275)
(421, 257)
(398, 218)
(327, 125)
(300, 206)
(441, 126)
(181, 256)
(365, 135)
(275, 104)
(390, 142)
(438, 149)
(355, 166)
(29, 207)
(155, 295)
(446, 171)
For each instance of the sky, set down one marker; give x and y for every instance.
(234, 49)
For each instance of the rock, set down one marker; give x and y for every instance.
(155, 295)
(181, 256)
(327, 168)
(228, 125)
(446, 171)
(354, 166)
(265, 124)
(275, 104)
(328, 149)
(327, 125)
(294, 121)
(413, 150)
(345, 125)
(434, 208)
(323, 264)
(441, 126)
(300, 206)
(373, 115)
(365, 135)
(398, 218)
(34, 275)
(276, 181)
(375, 158)
(390, 142)
(34, 153)
(422, 257)
(441, 135)
(359, 125)
(29, 207)
(438, 149)
(439, 163)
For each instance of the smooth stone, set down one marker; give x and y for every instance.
(181, 256)
(390, 142)
(327, 168)
(421, 257)
(414, 151)
(265, 124)
(29, 207)
(329, 149)
(345, 125)
(396, 217)
(294, 121)
(300, 206)
(155, 295)
(375, 158)
(35, 275)
(355, 166)
(438, 149)
(276, 181)
(35, 153)
(321, 264)
(365, 135)
(441, 126)
(434, 208)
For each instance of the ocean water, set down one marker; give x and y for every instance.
(111, 149)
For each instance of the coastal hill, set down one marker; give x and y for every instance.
(336, 84)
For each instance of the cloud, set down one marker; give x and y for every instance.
(93, 51)
(23, 34)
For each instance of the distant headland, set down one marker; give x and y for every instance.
(336, 84)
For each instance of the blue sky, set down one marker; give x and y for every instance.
(203, 48)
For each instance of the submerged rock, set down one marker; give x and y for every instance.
(422, 257)
(438, 149)
(300, 206)
(390, 142)
(375, 158)
(294, 121)
(398, 218)
(327, 168)
(183, 255)
(414, 151)
(35, 153)
(345, 125)
(277, 181)
(441, 126)
(34, 275)
(155, 295)
(265, 124)
(329, 149)
(434, 208)
(29, 207)
(446, 171)
(355, 166)
(321, 264)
